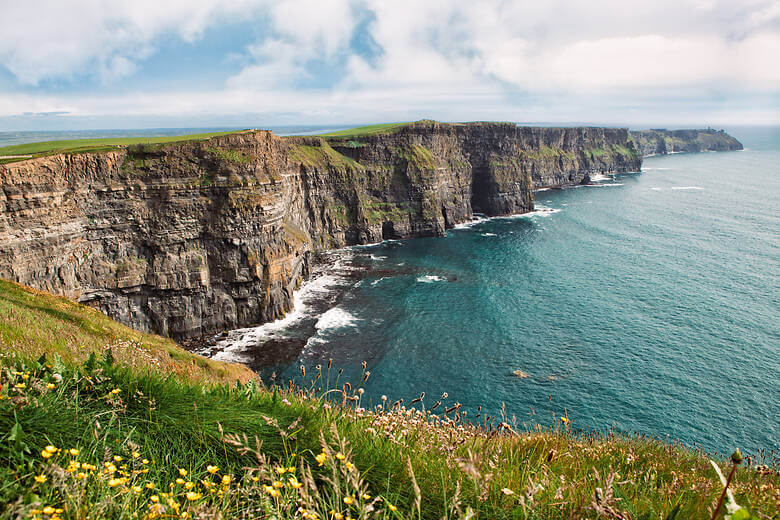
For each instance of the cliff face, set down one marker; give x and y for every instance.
(190, 238)
(661, 141)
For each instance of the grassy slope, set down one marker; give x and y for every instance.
(175, 421)
(33, 323)
(97, 145)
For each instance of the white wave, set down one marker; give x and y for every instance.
(540, 211)
(378, 280)
(316, 288)
(597, 177)
(488, 234)
(336, 318)
(541, 189)
(473, 222)
(603, 185)
(649, 168)
(401, 263)
(429, 278)
(377, 257)
(656, 189)
(686, 188)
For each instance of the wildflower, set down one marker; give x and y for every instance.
(135, 454)
(212, 469)
(191, 495)
(291, 469)
(349, 466)
(189, 485)
(20, 386)
(281, 470)
(114, 482)
(154, 498)
(340, 456)
(115, 391)
(145, 461)
(51, 386)
(136, 489)
(349, 500)
(366, 496)
(74, 452)
(391, 507)
(180, 481)
(48, 510)
(182, 472)
(40, 479)
(337, 516)
(278, 484)
(321, 458)
(117, 458)
(294, 482)
(226, 480)
(149, 485)
(507, 491)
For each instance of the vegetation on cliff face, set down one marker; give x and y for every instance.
(110, 436)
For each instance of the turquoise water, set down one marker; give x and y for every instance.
(647, 303)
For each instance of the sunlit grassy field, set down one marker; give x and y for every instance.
(98, 144)
(106, 435)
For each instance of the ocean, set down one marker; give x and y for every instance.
(648, 302)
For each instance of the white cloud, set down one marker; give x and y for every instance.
(494, 58)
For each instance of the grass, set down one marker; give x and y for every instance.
(98, 144)
(34, 323)
(384, 128)
(426, 464)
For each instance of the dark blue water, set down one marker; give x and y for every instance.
(648, 303)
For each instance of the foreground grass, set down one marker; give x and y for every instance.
(34, 323)
(98, 144)
(408, 463)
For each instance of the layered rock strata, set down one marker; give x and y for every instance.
(190, 238)
(662, 141)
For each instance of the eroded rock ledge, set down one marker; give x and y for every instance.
(195, 237)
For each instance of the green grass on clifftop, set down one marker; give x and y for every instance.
(384, 128)
(109, 438)
(98, 144)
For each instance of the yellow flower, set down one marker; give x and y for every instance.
(48, 510)
(51, 386)
(117, 458)
(191, 495)
(366, 496)
(180, 481)
(340, 456)
(40, 479)
(226, 480)
(294, 482)
(291, 469)
(212, 469)
(321, 458)
(115, 391)
(114, 482)
(278, 484)
(154, 498)
(74, 452)
(137, 489)
(46, 454)
(182, 472)
(507, 491)
(50, 449)
(81, 476)
(349, 500)
(189, 485)
(337, 516)
(349, 466)
(281, 470)
(149, 485)
(392, 507)
(135, 454)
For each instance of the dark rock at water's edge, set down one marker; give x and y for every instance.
(662, 141)
(192, 238)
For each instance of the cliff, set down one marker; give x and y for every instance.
(661, 141)
(195, 237)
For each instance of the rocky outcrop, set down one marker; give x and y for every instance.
(662, 141)
(190, 238)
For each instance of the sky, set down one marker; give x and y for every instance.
(93, 64)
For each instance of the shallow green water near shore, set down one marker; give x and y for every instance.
(649, 302)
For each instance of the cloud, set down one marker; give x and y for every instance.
(495, 58)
